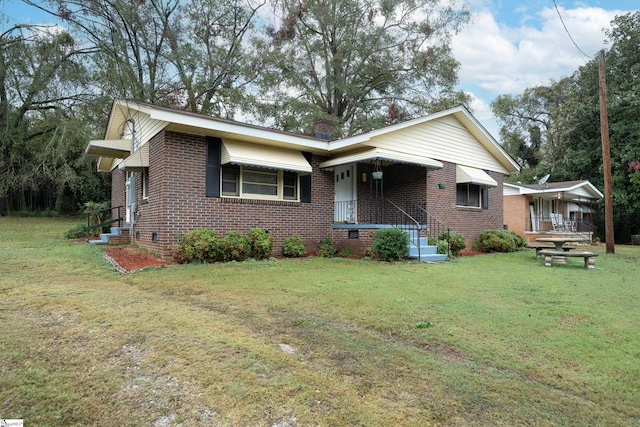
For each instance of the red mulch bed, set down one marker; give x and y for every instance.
(471, 253)
(130, 258)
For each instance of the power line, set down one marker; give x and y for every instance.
(567, 30)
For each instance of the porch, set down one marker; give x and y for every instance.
(362, 219)
(554, 225)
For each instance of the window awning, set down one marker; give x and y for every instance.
(468, 175)
(113, 148)
(383, 154)
(242, 153)
(137, 161)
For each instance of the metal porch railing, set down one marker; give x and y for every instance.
(98, 214)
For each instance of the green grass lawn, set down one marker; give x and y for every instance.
(489, 340)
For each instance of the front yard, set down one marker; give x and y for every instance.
(486, 340)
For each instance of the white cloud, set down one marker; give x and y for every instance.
(498, 58)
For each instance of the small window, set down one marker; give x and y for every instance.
(468, 195)
(290, 186)
(231, 181)
(145, 184)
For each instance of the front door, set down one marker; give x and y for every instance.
(345, 208)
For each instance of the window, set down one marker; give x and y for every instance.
(251, 182)
(145, 183)
(469, 195)
(231, 181)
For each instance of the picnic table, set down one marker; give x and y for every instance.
(559, 242)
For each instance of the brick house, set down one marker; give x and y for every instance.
(173, 171)
(538, 210)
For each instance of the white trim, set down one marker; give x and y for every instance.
(382, 154)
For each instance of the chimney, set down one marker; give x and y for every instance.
(323, 129)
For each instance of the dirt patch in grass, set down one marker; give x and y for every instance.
(130, 258)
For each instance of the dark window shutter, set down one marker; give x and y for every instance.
(485, 198)
(214, 147)
(305, 182)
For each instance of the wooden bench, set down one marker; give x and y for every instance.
(543, 246)
(549, 254)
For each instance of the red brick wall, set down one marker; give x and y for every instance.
(177, 202)
(516, 213)
(469, 221)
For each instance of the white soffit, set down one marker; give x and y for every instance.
(382, 154)
(242, 153)
(468, 175)
(114, 148)
(137, 161)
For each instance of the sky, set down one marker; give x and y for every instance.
(508, 46)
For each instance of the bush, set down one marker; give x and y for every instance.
(260, 243)
(326, 249)
(78, 231)
(293, 247)
(199, 246)
(499, 241)
(391, 244)
(236, 247)
(456, 242)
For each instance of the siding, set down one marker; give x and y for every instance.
(445, 139)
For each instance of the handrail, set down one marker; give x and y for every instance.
(432, 223)
(435, 228)
(408, 219)
(90, 226)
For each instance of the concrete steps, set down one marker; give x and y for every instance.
(426, 252)
(117, 236)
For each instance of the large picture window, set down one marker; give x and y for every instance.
(259, 183)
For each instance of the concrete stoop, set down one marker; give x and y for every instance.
(426, 253)
(117, 236)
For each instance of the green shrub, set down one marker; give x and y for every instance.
(326, 249)
(499, 241)
(443, 247)
(260, 243)
(236, 247)
(391, 244)
(79, 231)
(456, 242)
(199, 246)
(293, 247)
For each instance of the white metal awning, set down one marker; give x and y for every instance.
(469, 175)
(383, 154)
(137, 161)
(113, 148)
(243, 153)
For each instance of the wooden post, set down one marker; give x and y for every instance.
(606, 159)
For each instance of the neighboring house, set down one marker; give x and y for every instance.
(534, 210)
(173, 171)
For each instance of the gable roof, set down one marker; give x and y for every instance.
(452, 135)
(583, 187)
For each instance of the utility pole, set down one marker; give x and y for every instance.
(606, 159)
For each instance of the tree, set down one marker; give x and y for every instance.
(42, 82)
(567, 114)
(184, 54)
(359, 63)
(532, 128)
